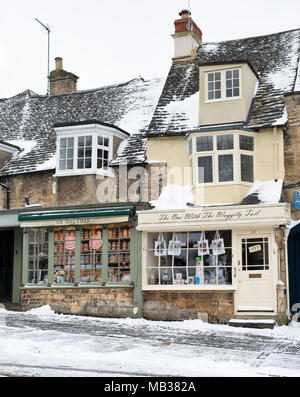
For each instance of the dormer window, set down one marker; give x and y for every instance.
(86, 148)
(223, 84)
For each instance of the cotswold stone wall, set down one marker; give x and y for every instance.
(214, 307)
(292, 151)
(141, 184)
(99, 302)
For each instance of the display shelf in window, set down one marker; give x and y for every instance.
(64, 255)
(119, 252)
(91, 254)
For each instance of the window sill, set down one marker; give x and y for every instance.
(207, 101)
(189, 287)
(108, 173)
(79, 286)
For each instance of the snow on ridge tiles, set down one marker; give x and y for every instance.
(30, 117)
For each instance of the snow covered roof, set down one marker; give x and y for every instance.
(264, 192)
(27, 119)
(274, 58)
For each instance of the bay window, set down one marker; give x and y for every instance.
(222, 158)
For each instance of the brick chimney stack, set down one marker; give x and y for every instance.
(62, 81)
(187, 36)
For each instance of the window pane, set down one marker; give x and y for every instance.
(236, 73)
(204, 143)
(218, 76)
(88, 163)
(70, 164)
(229, 74)
(205, 170)
(210, 77)
(236, 92)
(88, 141)
(229, 93)
(62, 165)
(80, 163)
(218, 95)
(247, 168)
(81, 141)
(63, 142)
(224, 142)
(100, 140)
(246, 142)
(211, 95)
(226, 168)
(106, 142)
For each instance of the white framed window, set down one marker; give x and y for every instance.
(86, 148)
(222, 158)
(82, 154)
(223, 84)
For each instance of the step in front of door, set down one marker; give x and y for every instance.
(252, 323)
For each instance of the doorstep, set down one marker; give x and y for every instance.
(252, 323)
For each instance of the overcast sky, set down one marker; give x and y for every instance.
(111, 41)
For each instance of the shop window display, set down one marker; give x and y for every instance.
(119, 252)
(38, 256)
(186, 266)
(91, 254)
(64, 255)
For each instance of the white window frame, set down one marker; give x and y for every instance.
(223, 85)
(93, 130)
(236, 153)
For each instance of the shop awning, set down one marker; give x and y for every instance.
(76, 216)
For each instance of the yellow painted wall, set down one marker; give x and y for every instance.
(268, 164)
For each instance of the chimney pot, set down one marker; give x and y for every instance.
(185, 14)
(58, 63)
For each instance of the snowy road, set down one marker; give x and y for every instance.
(41, 343)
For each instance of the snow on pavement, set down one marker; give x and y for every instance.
(39, 343)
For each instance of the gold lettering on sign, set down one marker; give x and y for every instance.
(72, 221)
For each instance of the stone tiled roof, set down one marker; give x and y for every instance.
(273, 57)
(27, 119)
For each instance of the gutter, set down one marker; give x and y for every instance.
(7, 194)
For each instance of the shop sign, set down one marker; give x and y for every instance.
(272, 214)
(297, 200)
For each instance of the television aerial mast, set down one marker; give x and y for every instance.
(48, 31)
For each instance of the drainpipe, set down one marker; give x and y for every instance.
(7, 194)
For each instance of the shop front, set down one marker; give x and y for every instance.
(81, 261)
(213, 263)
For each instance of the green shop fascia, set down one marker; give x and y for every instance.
(82, 248)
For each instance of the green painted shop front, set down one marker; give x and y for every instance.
(78, 260)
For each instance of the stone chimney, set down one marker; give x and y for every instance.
(187, 36)
(62, 81)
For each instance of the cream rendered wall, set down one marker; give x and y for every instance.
(268, 164)
(269, 154)
(227, 110)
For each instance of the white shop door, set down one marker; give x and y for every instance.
(255, 286)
